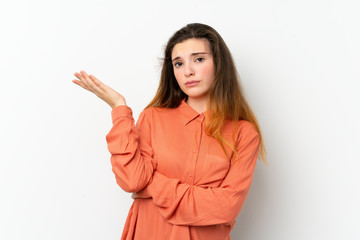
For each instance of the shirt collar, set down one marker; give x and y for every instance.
(188, 113)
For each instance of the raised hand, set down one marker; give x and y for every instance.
(104, 92)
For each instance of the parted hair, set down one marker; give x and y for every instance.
(226, 99)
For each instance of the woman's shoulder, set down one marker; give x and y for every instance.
(156, 112)
(245, 125)
(247, 131)
(241, 127)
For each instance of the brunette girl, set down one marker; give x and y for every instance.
(190, 158)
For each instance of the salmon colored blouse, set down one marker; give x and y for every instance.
(188, 187)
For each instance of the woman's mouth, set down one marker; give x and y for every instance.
(191, 83)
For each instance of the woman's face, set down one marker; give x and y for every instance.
(193, 65)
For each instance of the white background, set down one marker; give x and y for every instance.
(299, 65)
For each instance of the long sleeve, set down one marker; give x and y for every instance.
(185, 204)
(130, 148)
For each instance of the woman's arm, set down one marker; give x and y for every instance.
(185, 204)
(130, 155)
(130, 148)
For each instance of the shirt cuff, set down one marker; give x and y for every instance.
(121, 111)
(156, 180)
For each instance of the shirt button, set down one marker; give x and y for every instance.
(194, 151)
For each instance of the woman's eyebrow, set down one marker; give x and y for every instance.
(197, 53)
(192, 54)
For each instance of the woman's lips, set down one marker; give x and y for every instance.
(191, 83)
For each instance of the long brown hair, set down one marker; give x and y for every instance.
(227, 99)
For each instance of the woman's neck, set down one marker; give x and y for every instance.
(198, 104)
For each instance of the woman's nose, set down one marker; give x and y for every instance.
(189, 70)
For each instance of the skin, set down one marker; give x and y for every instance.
(94, 85)
(191, 60)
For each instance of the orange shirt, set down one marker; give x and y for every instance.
(189, 188)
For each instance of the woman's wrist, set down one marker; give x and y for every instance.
(119, 104)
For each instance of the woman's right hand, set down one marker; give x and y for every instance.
(104, 92)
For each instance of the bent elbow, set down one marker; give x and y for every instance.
(232, 212)
(230, 217)
(130, 186)
(126, 186)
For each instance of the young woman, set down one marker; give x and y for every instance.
(190, 158)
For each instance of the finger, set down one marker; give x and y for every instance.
(97, 82)
(81, 84)
(83, 80)
(91, 83)
(133, 196)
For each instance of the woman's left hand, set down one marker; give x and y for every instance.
(141, 194)
(134, 196)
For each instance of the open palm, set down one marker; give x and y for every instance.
(104, 92)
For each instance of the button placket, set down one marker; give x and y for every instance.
(196, 151)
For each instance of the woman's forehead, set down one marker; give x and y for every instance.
(189, 46)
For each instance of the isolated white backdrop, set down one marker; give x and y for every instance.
(298, 62)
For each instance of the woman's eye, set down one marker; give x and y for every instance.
(199, 59)
(178, 64)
